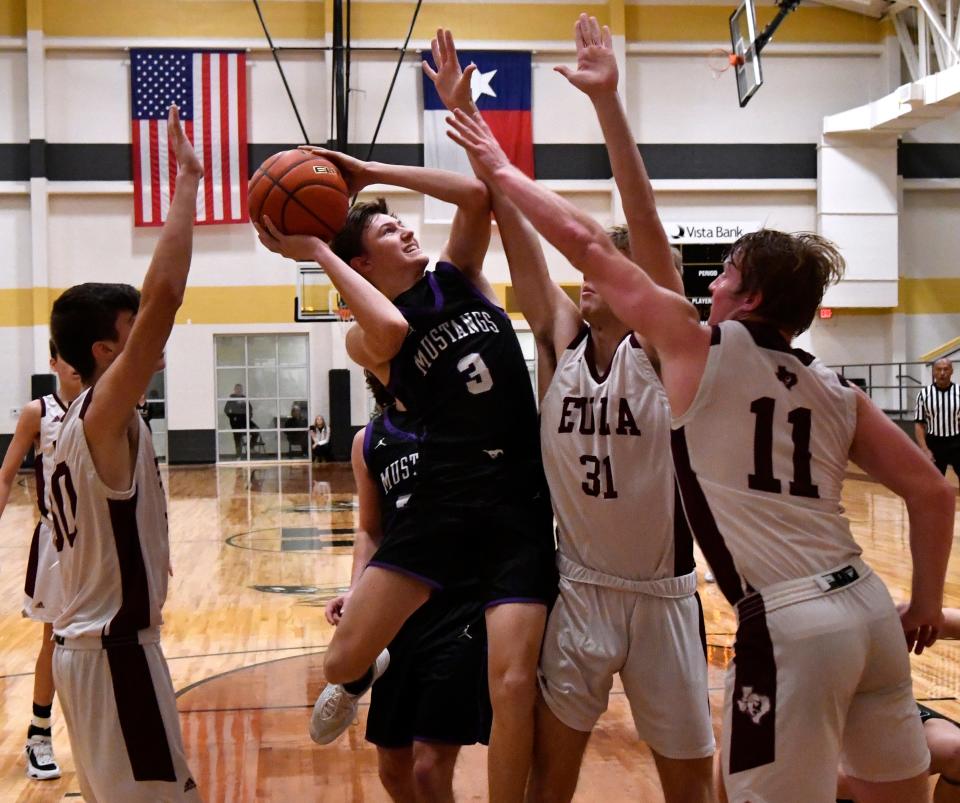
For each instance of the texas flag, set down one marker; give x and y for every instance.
(501, 90)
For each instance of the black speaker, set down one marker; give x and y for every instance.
(42, 385)
(341, 433)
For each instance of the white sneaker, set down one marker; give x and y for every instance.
(336, 709)
(41, 765)
(708, 577)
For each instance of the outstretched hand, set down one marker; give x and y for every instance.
(597, 70)
(187, 160)
(452, 84)
(301, 247)
(921, 630)
(354, 171)
(471, 132)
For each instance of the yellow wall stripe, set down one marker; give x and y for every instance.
(217, 19)
(943, 348)
(710, 24)
(274, 303)
(310, 19)
(13, 18)
(929, 296)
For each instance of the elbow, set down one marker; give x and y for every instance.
(476, 197)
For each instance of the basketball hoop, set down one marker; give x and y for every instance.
(344, 314)
(719, 60)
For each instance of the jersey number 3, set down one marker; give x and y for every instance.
(476, 373)
(763, 478)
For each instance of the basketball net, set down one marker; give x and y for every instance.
(343, 313)
(719, 60)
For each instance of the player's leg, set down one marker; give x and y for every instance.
(395, 766)
(685, 779)
(514, 634)
(943, 739)
(896, 766)
(433, 765)
(41, 763)
(557, 756)
(665, 681)
(380, 603)
(584, 646)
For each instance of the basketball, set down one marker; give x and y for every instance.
(301, 193)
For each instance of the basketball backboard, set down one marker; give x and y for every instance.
(746, 61)
(317, 299)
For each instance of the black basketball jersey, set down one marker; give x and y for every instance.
(462, 372)
(391, 451)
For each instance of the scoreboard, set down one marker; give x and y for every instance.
(701, 265)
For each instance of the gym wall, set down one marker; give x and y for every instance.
(710, 160)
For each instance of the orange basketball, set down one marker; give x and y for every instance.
(301, 194)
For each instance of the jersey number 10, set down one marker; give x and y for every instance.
(763, 478)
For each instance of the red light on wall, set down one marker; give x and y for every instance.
(826, 312)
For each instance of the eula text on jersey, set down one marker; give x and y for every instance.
(579, 413)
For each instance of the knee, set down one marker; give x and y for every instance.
(514, 687)
(432, 775)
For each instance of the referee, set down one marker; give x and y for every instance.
(937, 426)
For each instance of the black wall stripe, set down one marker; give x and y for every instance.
(111, 161)
(191, 446)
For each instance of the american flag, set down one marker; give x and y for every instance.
(211, 91)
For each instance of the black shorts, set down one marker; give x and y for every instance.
(435, 689)
(507, 549)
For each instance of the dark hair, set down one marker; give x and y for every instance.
(85, 314)
(349, 241)
(381, 396)
(790, 271)
(53, 349)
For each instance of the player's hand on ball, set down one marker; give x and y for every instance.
(920, 628)
(597, 70)
(355, 172)
(471, 133)
(187, 159)
(300, 247)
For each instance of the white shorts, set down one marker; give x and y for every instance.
(121, 714)
(43, 595)
(820, 678)
(652, 638)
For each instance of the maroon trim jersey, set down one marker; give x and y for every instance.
(52, 411)
(606, 453)
(761, 456)
(114, 545)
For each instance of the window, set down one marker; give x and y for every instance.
(262, 397)
(155, 413)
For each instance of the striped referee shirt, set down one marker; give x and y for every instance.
(939, 411)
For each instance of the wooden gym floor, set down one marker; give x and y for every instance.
(256, 553)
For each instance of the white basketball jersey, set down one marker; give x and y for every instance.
(52, 411)
(606, 453)
(761, 456)
(114, 545)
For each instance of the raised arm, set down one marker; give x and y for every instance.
(884, 451)
(470, 230)
(127, 378)
(28, 430)
(596, 76)
(554, 319)
(667, 320)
